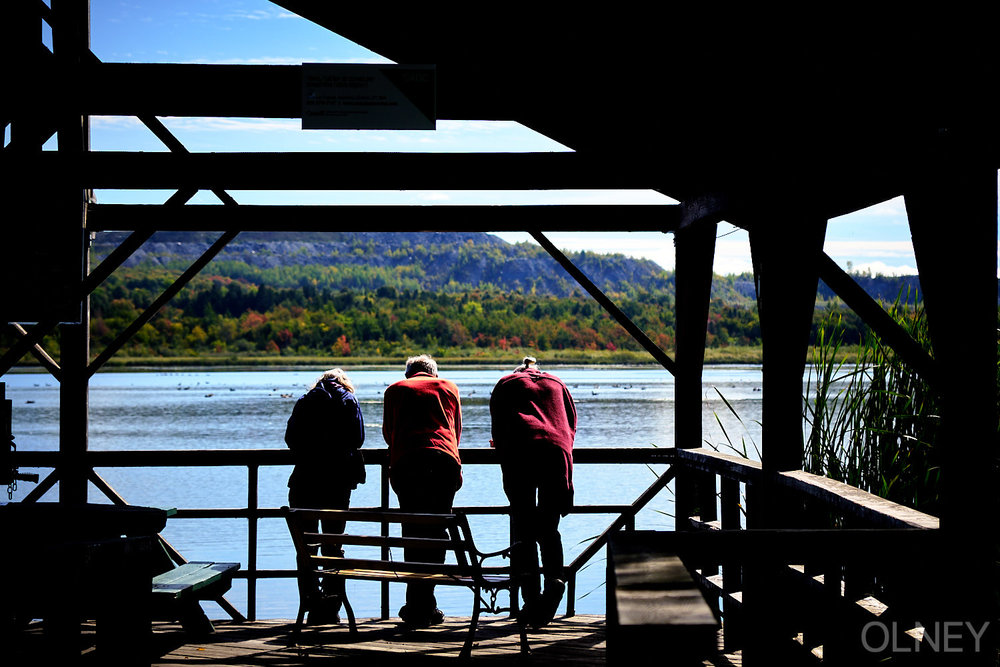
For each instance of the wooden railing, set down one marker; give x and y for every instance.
(808, 563)
(254, 459)
(790, 552)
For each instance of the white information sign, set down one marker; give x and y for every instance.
(368, 97)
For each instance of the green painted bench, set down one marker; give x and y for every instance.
(178, 591)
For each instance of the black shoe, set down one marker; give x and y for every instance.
(539, 612)
(323, 617)
(421, 619)
(326, 610)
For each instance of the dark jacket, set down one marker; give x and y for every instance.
(325, 433)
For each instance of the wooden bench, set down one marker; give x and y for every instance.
(467, 570)
(178, 589)
(656, 612)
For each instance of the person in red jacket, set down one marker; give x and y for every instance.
(422, 424)
(534, 424)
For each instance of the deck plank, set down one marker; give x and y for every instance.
(577, 640)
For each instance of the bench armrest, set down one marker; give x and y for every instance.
(493, 554)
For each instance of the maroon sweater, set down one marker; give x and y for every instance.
(532, 408)
(419, 413)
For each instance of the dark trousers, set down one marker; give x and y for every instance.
(538, 496)
(322, 497)
(533, 524)
(425, 483)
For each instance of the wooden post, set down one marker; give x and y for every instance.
(384, 506)
(253, 517)
(71, 43)
(785, 253)
(952, 209)
(786, 274)
(695, 254)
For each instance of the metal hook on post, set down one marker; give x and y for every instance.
(9, 474)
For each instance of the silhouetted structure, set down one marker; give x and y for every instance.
(770, 120)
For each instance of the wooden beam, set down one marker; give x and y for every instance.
(885, 547)
(160, 301)
(168, 89)
(351, 171)
(258, 91)
(638, 334)
(877, 318)
(377, 456)
(47, 362)
(843, 498)
(258, 218)
(117, 257)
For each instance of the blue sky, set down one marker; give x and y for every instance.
(258, 32)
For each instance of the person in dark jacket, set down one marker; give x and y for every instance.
(422, 424)
(534, 424)
(325, 433)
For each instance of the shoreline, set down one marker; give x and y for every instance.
(730, 356)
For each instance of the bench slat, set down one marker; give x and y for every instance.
(428, 577)
(362, 516)
(191, 577)
(334, 563)
(339, 539)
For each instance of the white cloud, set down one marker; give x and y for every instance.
(732, 253)
(868, 248)
(881, 268)
(191, 124)
(435, 196)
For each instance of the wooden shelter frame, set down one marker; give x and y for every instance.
(54, 92)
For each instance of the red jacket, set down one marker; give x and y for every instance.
(531, 406)
(421, 412)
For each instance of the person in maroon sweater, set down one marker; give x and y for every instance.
(422, 424)
(534, 424)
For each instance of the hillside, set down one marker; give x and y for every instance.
(452, 262)
(364, 295)
(428, 261)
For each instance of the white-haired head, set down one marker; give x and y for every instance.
(421, 364)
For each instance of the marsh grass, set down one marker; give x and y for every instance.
(872, 421)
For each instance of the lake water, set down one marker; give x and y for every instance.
(209, 409)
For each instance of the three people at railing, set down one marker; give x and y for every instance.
(534, 424)
(422, 424)
(533, 427)
(325, 433)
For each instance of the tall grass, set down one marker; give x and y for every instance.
(873, 423)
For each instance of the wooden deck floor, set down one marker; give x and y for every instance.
(577, 640)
